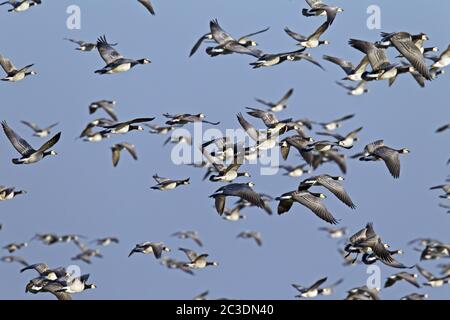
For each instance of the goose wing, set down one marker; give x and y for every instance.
(39, 267)
(249, 129)
(409, 278)
(390, 158)
(425, 273)
(31, 125)
(115, 155)
(159, 179)
(286, 96)
(314, 204)
(294, 35)
(244, 192)
(337, 189)
(50, 143)
(320, 30)
(18, 142)
(192, 255)
(106, 51)
(198, 44)
(317, 284)
(147, 4)
(6, 64)
(254, 33)
(219, 35)
(54, 288)
(403, 43)
(381, 252)
(51, 126)
(347, 66)
(377, 56)
(131, 148)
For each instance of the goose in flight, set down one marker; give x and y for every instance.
(403, 42)
(273, 59)
(335, 233)
(127, 126)
(278, 105)
(39, 132)
(334, 124)
(300, 143)
(309, 292)
(8, 193)
(225, 173)
(11, 259)
(244, 41)
(189, 235)
(241, 190)
(105, 105)
(346, 141)
(318, 8)
(46, 272)
(308, 199)
(377, 150)
(37, 285)
(182, 119)
(197, 261)
(157, 248)
(368, 242)
(442, 61)
(83, 45)
(29, 154)
(357, 90)
(332, 184)
(382, 69)
(21, 5)
(255, 235)
(76, 285)
(168, 184)
(227, 44)
(117, 149)
(353, 73)
(106, 241)
(432, 280)
(12, 73)
(13, 247)
(115, 62)
(408, 277)
(312, 41)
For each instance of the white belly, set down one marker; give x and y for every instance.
(121, 68)
(17, 77)
(169, 186)
(310, 43)
(357, 92)
(296, 173)
(442, 63)
(355, 77)
(436, 283)
(121, 130)
(347, 142)
(389, 74)
(23, 7)
(310, 294)
(272, 62)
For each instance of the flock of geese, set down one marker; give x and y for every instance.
(223, 158)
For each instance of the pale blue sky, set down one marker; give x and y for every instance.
(80, 192)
